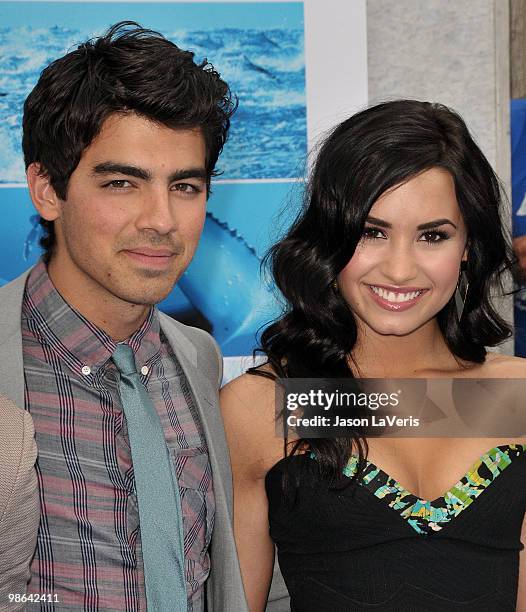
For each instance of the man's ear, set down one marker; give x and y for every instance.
(42, 193)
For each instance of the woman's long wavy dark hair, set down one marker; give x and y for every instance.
(361, 159)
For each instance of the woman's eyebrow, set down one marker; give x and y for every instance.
(436, 223)
(422, 226)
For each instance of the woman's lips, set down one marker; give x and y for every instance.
(395, 299)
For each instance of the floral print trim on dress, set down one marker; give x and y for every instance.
(427, 516)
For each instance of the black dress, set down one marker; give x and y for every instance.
(376, 547)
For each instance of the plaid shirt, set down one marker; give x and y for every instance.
(89, 549)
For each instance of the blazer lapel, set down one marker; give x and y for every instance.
(11, 357)
(224, 585)
(207, 402)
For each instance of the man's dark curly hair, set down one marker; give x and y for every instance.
(128, 69)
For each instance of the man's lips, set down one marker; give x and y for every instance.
(395, 298)
(151, 258)
(149, 252)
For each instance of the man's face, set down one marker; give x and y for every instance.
(134, 212)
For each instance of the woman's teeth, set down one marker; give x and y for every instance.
(397, 297)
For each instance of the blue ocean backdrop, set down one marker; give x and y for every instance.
(258, 52)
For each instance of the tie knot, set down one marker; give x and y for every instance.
(124, 359)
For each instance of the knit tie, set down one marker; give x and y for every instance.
(160, 513)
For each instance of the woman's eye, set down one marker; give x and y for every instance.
(434, 237)
(372, 233)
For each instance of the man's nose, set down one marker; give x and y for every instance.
(157, 212)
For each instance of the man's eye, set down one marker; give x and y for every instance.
(118, 184)
(186, 188)
(372, 233)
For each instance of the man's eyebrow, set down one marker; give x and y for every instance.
(423, 226)
(185, 173)
(110, 167)
(116, 168)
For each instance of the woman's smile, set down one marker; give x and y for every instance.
(395, 298)
(396, 268)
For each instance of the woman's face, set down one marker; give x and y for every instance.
(406, 266)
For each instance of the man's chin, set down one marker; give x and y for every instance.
(149, 287)
(144, 297)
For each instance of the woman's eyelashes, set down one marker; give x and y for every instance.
(434, 236)
(372, 233)
(429, 236)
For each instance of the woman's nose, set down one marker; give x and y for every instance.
(400, 265)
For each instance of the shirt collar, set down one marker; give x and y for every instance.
(81, 343)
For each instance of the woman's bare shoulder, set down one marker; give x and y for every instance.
(503, 366)
(248, 406)
(258, 386)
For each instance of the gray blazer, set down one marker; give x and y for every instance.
(19, 505)
(201, 362)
